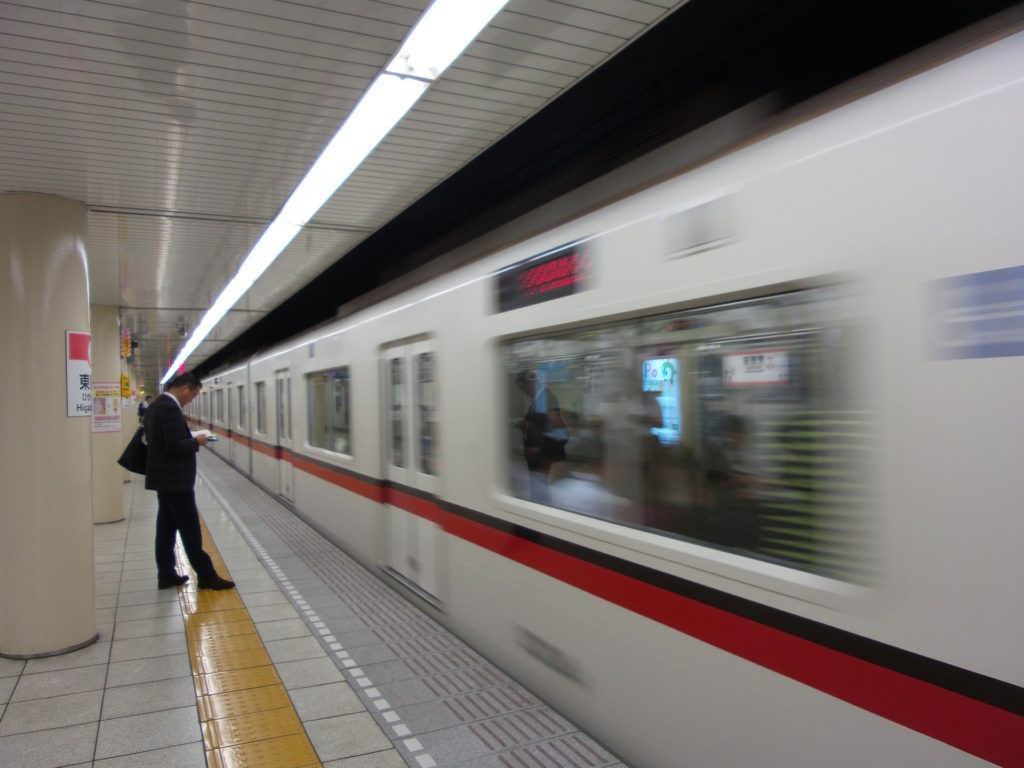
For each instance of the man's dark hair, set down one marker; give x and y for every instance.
(524, 376)
(188, 379)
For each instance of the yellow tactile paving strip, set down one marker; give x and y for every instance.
(247, 718)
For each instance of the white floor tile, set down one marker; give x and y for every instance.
(97, 653)
(149, 670)
(53, 712)
(142, 733)
(142, 698)
(46, 684)
(49, 749)
(184, 756)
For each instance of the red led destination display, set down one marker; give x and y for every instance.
(558, 273)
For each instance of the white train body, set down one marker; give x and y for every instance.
(907, 648)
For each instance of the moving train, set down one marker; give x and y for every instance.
(726, 468)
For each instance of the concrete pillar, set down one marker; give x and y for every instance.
(47, 592)
(107, 476)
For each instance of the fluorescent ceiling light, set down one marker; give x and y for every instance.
(442, 33)
(271, 244)
(382, 106)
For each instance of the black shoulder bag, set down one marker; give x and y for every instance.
(134, 457)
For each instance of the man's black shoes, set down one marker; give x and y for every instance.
(216, 583)
(166, 582)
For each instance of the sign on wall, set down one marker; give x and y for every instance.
(106, 406)
(977, 315)
(79, 367)
(126, 342)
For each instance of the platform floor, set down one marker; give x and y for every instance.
(313, 660)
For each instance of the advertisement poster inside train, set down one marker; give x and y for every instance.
(661, 399)
(756, 368)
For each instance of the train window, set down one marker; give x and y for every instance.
(426, 412)
(261, 407)
(740, 426)
(218, 412)
(396, 409)
(329, 422)
(241, 407)
(284, 406)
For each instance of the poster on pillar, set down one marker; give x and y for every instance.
(79, 366)
(106, 406)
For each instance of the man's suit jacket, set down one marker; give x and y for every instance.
(171, 459)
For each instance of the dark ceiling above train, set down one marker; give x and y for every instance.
(708, 59)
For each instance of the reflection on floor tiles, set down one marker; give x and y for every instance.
(247, 717)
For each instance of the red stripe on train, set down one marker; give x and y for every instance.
(370, 490)
(973, 726)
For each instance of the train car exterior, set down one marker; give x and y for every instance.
(272, 444)
(226, 407)
(727, 469)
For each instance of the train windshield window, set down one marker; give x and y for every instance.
(741, 426)
(329, 422)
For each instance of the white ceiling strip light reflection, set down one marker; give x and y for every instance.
(442, 33)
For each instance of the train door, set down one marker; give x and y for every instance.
(410, 432)
(283, 403)
(231, 420)
(245, 425)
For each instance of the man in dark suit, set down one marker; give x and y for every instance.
(171, 472)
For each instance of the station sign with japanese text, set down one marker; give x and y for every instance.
(78, 360)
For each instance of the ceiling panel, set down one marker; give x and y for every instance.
(184, 126)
